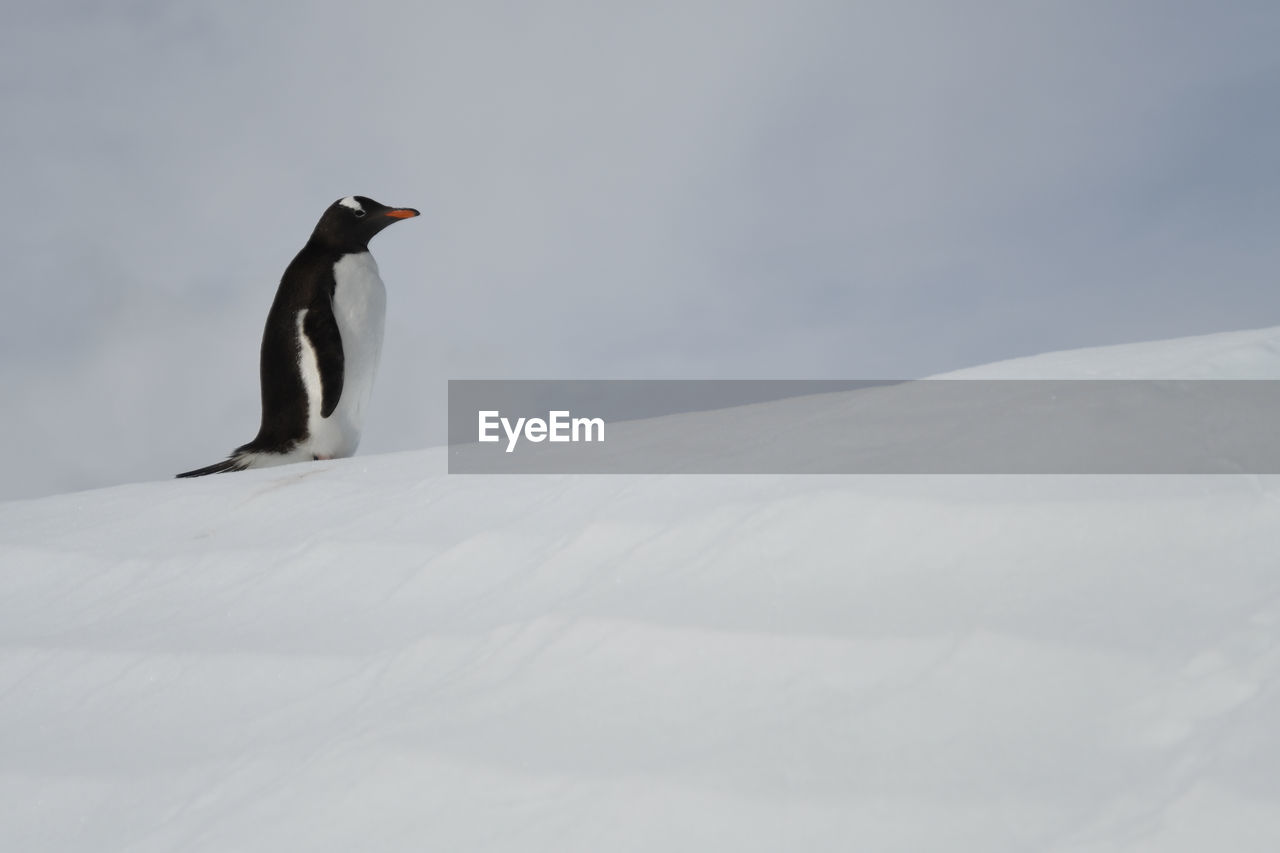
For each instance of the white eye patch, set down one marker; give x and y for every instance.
(350, 201)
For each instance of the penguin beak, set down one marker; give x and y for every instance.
(402, 213)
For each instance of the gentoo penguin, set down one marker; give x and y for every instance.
(322, 341)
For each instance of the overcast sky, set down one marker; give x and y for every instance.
(669, 190)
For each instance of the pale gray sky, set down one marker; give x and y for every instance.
(674, 190)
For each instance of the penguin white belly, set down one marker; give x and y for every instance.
(360, 307)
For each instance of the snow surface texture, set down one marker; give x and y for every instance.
(370, 655)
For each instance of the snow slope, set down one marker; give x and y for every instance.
(371, 655)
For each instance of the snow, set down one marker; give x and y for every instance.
(369, 654)
(1251, 354)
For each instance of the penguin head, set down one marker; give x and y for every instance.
(351, 222)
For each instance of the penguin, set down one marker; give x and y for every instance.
(322, 342)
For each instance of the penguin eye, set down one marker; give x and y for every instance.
(357, 213)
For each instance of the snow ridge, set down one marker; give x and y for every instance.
(370, 654)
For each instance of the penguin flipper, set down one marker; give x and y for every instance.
(321, 329)
(232, 463)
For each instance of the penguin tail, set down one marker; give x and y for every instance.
(233, 463)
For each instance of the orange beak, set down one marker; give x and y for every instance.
(402, 213)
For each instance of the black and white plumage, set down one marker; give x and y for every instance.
(322, 342)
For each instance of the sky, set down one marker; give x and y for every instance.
(764, 190)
